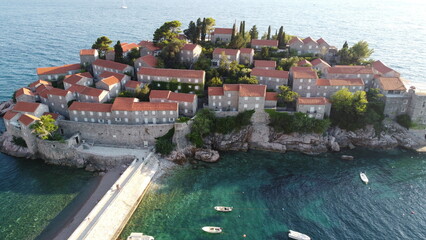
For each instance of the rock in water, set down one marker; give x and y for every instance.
(206, 155)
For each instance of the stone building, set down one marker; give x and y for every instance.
(315, 107)
(54, 73)
(110, 84)
(187, 102)
(258, 44)
(396, 99)
(271, 78)
(350, 72)
(271, 99)
(25, 95)
(304, 63)
(310, 46)
(417, 106)
(22, 116)
(224, 54)
(320, 65)
(100, 66)
(327, 87)
(303, 80)
(149, 48)
(223, 35)
(123, 78)
(38, 83)
(89, 94)
(146, 61)
(127, 48)
(246, 56)
(88, 56)
(190, 53)
(131, 86)
(265, 64)
(383, 70)
(83, 79)
(57, 100)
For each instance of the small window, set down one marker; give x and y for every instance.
(245, 98)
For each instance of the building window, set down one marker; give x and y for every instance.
(171, 112)
(136, 113)
(93, 120)
(75, 112)
(256, 105)
(146, 112)
(85, 119)
(125, 112)
(137, 120)
(196, 87)
(301, 80)
(164, 120)
(300, 87)
(257, 98)
(108, 114)
(118, 119)
(309, 80)
(164, 112)
(83, 112)
(62, 106)
(76, 119)
(153, 112)
(245, 105)
(229, 95)
(101, 120)
(91, 113)
(309, 87)
(126, 120)
(214, 104)
(245, 98)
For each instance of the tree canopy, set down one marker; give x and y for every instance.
(254, 33)
(170, 53)
(286, 95)
(356, 54)
(215, 82)
(118, 52)
(102, 44)
(45, 127)
(167, 32)
(248, 80)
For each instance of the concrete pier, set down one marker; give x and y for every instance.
(111, 214)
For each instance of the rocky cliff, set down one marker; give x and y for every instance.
(6, 106)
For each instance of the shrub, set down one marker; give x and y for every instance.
(183, 119)
(18, 141)
(299, 122)
(164, 144)
(404, 120)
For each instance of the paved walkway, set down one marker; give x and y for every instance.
(110, 215)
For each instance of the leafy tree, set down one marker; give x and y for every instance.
(286, 95)
(233, 32)
(210, 23)
(287, 63)
(142, 93)
(264, 53)
(170, 53)
(237, 42)
(254, 34)
(203, 63)
(360, 51)
(268, 37)
(164, 144)
(191, 32)
(199, 25)
(248, 80)
(344, 54)
(201, 126)
(203, 30)
(215, 82)
(45, 127)
(118, 50)
(167, 32)
(404, 120)
(102, 45)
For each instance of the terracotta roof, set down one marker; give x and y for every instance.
(23, 91)
(26, 107)
(226, 51)
(252, 90)
(89, 91)
(301, 69)
(85, 74)
(110, 64)
(9, 114)
(149, 59)
(215, 91)
(109, 81)
(246, 50)
(106, 74)
(270, 43)
(123, 104)
(133, 84)
(182, 97)
(75, 78)
(58, 92)
(43, 90)
(321, 41)
(222, 31)
(54, 115)
(271, 96)
(189, 47)
(164, 94)
(345, 69)
(269, 73)
(319, 61)
(39, 82)
(27, 119)
(94, 107)
(58, 70)
(304, 62)
(76, 88)
(304, 73)
(295, 39)
(395, 84)
(340, 82)
(90, 52)
(312, 101)
(309, 40)
(173, 73)
(265, 63)
(129, 46)
(157, 106)
(231, 87)
(381, 67)
(149, 45)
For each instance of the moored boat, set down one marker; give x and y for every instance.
(223, 209)
(210, 229)
(297, 235)
(347, 157)
(139, 236)
(363, 177)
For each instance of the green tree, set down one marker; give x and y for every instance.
(203, 63)
(237, 42)
(344, 54)
(170, 53)
(199, 26)
(118, 51)
(167, 32)
(45, 127)
(142, 93)
(233, 32)
(248, 80)
(203, 30)
(215, 82)
(264, 53)
(286, 95)
(201, 127)
(268, 37)
(254, 33)
(349, 109)
(360, 51)
(191, 32)
(210, 23)
(102, 45)
(404, 120)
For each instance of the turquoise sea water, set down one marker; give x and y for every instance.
(271, 193)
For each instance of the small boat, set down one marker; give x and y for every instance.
(212, 229)
(347, 157)
(297, 235)
(139, 236)
(363, 177)
(223, 209)
(123, 5)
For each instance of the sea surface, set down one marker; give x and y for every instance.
(322, 196)
(50, 33)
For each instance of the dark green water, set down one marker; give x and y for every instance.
(271, 193)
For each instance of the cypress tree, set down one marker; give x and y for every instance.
(280, 36)
(254, 34)
(241, 27)
(233, 32)
(244, 28)
(198, 32)
(118, 52)
(268, 37)
(203, 30)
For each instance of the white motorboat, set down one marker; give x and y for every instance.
(223, 209)
(123, 5)
(297, 235)
(363, 177)
(139, 236)
(210, 229)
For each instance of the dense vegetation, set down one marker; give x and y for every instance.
(298, 122)
(404, 120)
(206, 122)
(18, 141)
(164, 144)
(355, 55)
(46, 129)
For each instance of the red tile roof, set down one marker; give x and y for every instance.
(231, 52)
(381, 67)
(252, 90)
(26, 107)
(76, 88)
(345, 69)
(269, 73)
(94, 107)
(109, 81)
(173, 73)
(246, 50)
(182, 97)
(150, 60)
(27, 119)
(295, 39)
(74, 79)
(394, 84)
(129, 46)
(321, 41)
(231, 87)
(43, 90)
(58, 70)
(189, 47)
(309, 40)
(304, 72)
(301, 69)
(269, 43)
(106, 74)
(215, 91)
(163, 94)
(23, 91)
(265, 63)
(312, 101)
(340, 82)
(222, 31)
(89, 91)
(318, 61)
(38, 82)
(110, 64)
(271, 96)
(90, 52)
(9, 115)
(133, 84)
(54, 115)
(304, 62)
(129, 104)
(58, 92)
(149, 45)
(123, 104)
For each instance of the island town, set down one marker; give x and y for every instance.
(176, 91)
